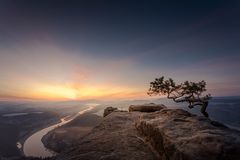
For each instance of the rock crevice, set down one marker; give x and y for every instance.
(163, 134)
(177, 134)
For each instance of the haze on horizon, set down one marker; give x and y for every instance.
(112, 49)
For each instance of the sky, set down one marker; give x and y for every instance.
(113, 49)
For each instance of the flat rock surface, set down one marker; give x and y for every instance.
(168, 134)
(176, 134)
(116, 138)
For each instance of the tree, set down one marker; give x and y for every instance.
(190, 92)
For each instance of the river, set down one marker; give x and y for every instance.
(33, 145)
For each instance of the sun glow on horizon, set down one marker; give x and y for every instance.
(55, 92)
(72, 92)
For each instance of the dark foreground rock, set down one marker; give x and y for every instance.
(168, 134)
(151, 107)
(109, 110)
(179, 135)
(116, 138)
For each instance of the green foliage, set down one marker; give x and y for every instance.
(190, 92)
(170, 88)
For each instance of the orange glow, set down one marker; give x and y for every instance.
(72, 92)
(55, 74)
(55, 92)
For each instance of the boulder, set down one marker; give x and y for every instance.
(109, 110)
(178, 135)
(151, 107)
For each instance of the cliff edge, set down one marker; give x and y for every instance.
(114, 138)
(178, 135)
(163, 134)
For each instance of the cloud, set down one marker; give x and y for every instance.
(49, 71)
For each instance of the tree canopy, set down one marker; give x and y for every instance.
(190, 92)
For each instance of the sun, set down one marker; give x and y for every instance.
(55, 92)
(71, 95)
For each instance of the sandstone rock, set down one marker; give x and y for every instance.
(109, 110)
(151, 107)
(168, 134)
(178, 135)
(116, 138)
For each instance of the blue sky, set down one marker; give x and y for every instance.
(115, 48)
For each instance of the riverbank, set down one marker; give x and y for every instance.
(15, 128)
(69, 134)
(33, 145)
(28, 134)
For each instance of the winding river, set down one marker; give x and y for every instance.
(33, 145)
